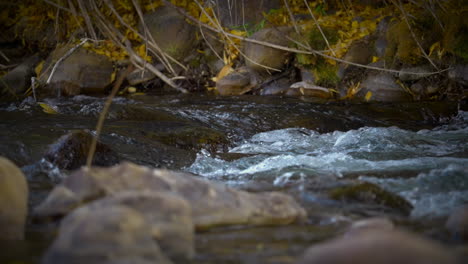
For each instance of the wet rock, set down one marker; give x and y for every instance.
(459, 74)
(360, 52)
(71, 151)
(378, 247)
(211, 204)
(171, 32)
(260, 55)
(457, 224)
(413, 73)
(16, 81)
(238, 82)
(142, 75)
(247, 13)
(423, 89)
(381, 42)
(382, 87)
(276, 87)
(310, 90)
(364, 225)
(371, 194)
(168, 217)
(13, 201)
(82, 72)
(111, 234)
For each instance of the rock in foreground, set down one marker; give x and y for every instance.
(378, 247)
(13, 201)
(212, 204)
(107, 235)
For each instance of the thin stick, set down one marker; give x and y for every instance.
(310, 51)
(319, 28)
(87, 19)
(102, 116)
(57, 5)
(230, 40)
(405, 17)
(59, 61)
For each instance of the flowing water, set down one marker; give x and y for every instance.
(418, 151)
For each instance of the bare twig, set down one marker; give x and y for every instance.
(4, 56)
(221, 30)
(87, 19)
(405, 18)
(102, 116)
(309, 51)
(319, 28)
(59, 61)
(57, 5)
(138, 60)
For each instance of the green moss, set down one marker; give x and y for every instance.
(316, 40)
(401, 44)
(325, 74)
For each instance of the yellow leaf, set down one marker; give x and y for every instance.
(433, 47)
(375, 59)
(48, 108)
(368, 96)
(224, 71)
(38, 68)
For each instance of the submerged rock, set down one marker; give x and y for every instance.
(212, 204)
(457, 224)
(71, 150)
(82, 72)
(371, 194)
(378, 247)
(108, 235)
(13, 201)
(167, 215)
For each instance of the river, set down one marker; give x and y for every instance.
(418, 151)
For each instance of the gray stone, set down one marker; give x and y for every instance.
(378, 247)
(258, 56)
(104, 236)
(212, 204)
(71, 151)
(375, 223)
(18, 80)
(413, 73)
(171, 32)
(459, 74)
(238, 82)
(13, 201)
(383, 88)
(80, 73)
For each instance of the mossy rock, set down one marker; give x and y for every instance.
(372, 194)
(192, 138)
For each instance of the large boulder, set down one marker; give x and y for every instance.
(13, 201)
(382, 87)
(18, 80)
(168, 217)
(171, 32)
(212, 204)
(82, 72)
(108, 235)
(378, 247)
(258, 56)
(71, 151)
(459, 74)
